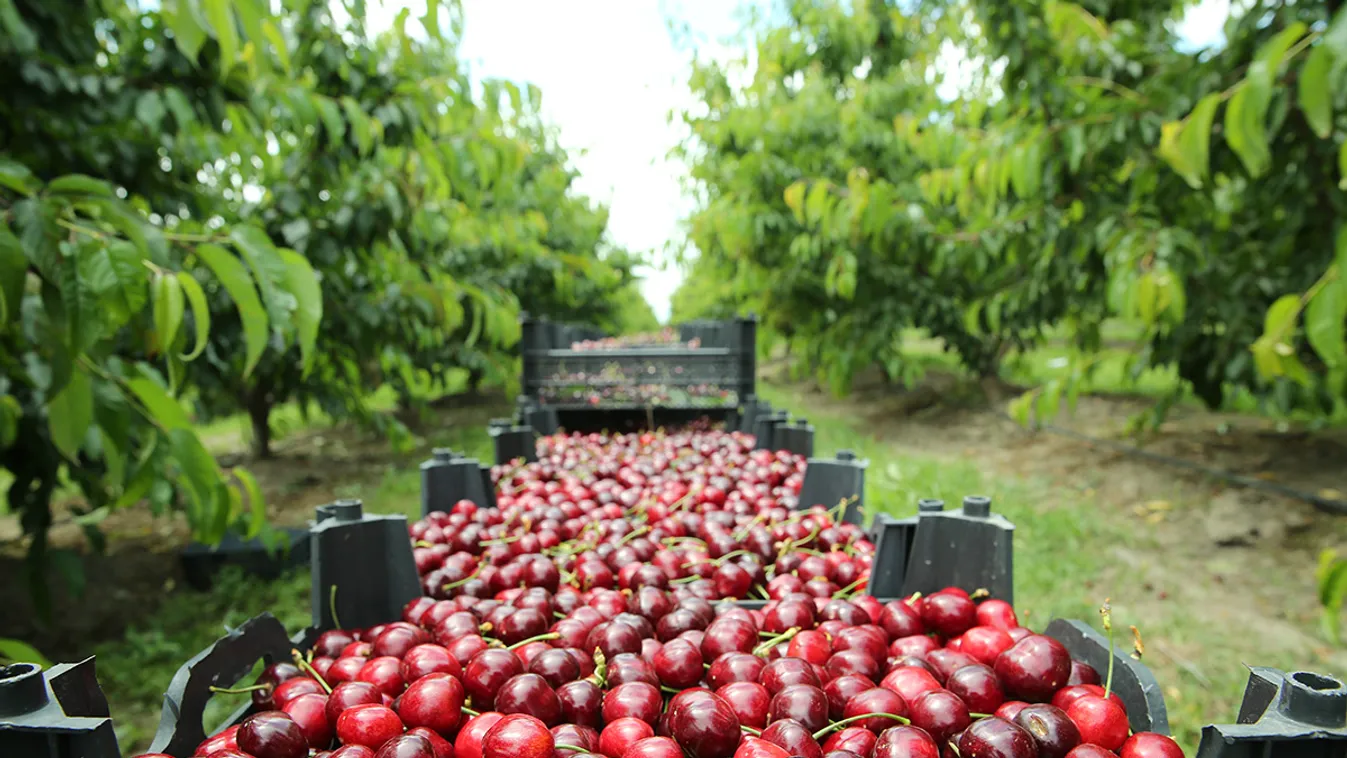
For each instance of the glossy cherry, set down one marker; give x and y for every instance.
(793, 737)
(368, 725)
(468, 743)
(518, 735)
(272, 734)
(708, 728)
(905, 742)
(310, 712)
(1150, 745)
(977, 686)
(1101, 722)
(1054, 731)
(434, 702)
(407, 746)
(621, 734)
(996, 738)
(1034, 668)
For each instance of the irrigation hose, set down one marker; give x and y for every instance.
(1327, 505)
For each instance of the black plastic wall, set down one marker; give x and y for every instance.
(58, 713)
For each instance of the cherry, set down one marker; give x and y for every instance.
(802, 702)
(272, 676)
(875, 700)
(918, 645)
(272, 734)
(368, 725)
(997, 738)
(1082, 673)
(293, 688)
(810, 645)
(756, 747)
(654, 747)
(728, 635)
(948, 613)
(749, 700)
(985, 643)
(331, 643)
(842, 689)
(621, 734)
(1086, 750)
(1100, 721)
(1034, 668)
(310, 712)
(905, 742)
(708, 728)
(853, 662)
(977, 686)
(852, 739)
(633, 700)
(556, 667)
(783, 672)
(348, 694)
(518, 735)
(1051, 728)
(910, 682)
(398, 638)
(734, 667)
(793, 737)
(944, 662)
(941, 713)
(530, 694)
(406, 746)
(487, 672)
(997, 613)
(225, 740)
(1068, 695)
(384, 672)
(1150, 745)
(581, 703)
(678, 664)
(441, 747)
(632, 668)
(428, 659)
(434, 702)
(468, 743)
(352, 751)
(614, 639)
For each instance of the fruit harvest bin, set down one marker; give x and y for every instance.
(711, 372)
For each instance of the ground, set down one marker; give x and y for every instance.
(1213, 576)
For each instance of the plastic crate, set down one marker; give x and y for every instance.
(718, 374)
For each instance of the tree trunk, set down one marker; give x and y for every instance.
(259, 413)
(475, 377)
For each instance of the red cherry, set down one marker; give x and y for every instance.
(518, 735)
(293, 688)
(654, 747)
(441, 747)
(754, 747)
(997, 738)
(948, 613)
(428, 659)
(352, 751)
(1090, 751)
(941, 713)
(1051, 728)
(434, 702)
(272, 734)
(406, 746)
(310, 712)
(1101, 722)
(985, 643)
(997, 613)
(1034, 668)
(468, 744)
(368, 725)
(977, 686)
(749, 700)
(621, 734)
(1150, 745)
(910, 682)
(906, 742)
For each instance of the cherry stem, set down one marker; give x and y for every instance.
(422, 543)
(825, 731)
(668, 689)
(306, 666)
(777, 640)
(633, 534)
(239, 690)
(729, 555)
(332, 605)
(469, 711)
(539, 638)
(600, 676)
(854, 585)
(1106, 612)
(563, 746)
(751, 730)
(464, 580)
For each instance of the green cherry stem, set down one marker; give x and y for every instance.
(539, 638)
(789, 634)
(829, 729)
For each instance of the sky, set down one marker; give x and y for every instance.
(610, 71)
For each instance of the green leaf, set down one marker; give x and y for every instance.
(162, 407)
(302, 282)
(360, 124)
(1195, 139)
(277, 40)
(182, 17)
(168, 309)
(220, 14)
(178, 105)
(15, 175)
(1325, 315)
(251, 15)
(1020, 408)
(117, 275)
(13, 276)
(1342, 166)
(10, 414)
(70, 413)
(150, 110)
(267, 266)
(257, 507)
(1279, 321)
(20, 36)
(201, 477)
(1332, 577)
(1273, 52)
(794, 197)
(1316, 97)
(332, 120)
(431, 21)
(16, 651)
(234, 277)
(1244, 120)
(117, 214)
(200, 312)
(79, 184)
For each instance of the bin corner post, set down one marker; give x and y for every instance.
(449, 477)
(1281, 714)
(363, 570)
(1132, 680)
(830, 481)
(765, 429)
(971, 548)
(534, 336)
(747, 346)
(54, 713)
(514, 441)
(891, 537)
(797, 437)
(543, 420)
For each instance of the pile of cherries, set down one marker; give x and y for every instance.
(666, 337)
(592, 615)
(700, 513)
(602, 673)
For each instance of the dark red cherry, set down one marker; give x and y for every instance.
(1100, 721)
(1034, 668)
(633, 700)
(997, 738)
(875, 700)
(734, 667)
(941, 713)
(581, 703)
(678, 664)
(977, 686)
(407, 746)
(518, 735)
(468, 743)
(272, 734)
(804, 703)
(793, 737)
(905, 742)
(749, 700)
(708, 727)
(1054, 731)
(529, 694)
(368, 725)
